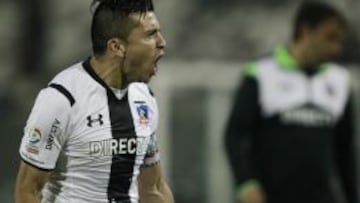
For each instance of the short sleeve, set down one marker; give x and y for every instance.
(152, 155)
(45, 130)
(145, 116)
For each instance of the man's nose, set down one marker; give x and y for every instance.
(161, 42)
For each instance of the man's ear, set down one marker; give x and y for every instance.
(117, 47)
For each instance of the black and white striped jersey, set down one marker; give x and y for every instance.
(93, 137)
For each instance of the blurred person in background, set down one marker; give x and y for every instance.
(91, 134)
(289, 137)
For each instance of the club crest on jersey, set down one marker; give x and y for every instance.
(34, 141)
(330, 90)
(143, 112)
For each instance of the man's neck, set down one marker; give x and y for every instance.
(108, 70)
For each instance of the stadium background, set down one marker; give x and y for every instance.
(208, 40)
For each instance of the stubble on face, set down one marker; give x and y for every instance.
(142, 51)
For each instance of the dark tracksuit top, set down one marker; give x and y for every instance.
(291, 131)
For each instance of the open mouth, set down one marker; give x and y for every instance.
(156, 67)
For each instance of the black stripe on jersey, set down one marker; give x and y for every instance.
(122, 126)
(122, 165)
(63, 91)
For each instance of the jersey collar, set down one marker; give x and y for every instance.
(87, 66)
(91, 72)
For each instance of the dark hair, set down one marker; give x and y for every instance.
(312, 14)
(110, 20)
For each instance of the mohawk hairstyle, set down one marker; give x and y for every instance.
(127, 6)
(111, 19)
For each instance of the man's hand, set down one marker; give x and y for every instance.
(251, 193)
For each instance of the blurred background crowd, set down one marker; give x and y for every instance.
(207, 43)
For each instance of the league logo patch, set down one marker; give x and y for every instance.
(143, 112)
(34, 141)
